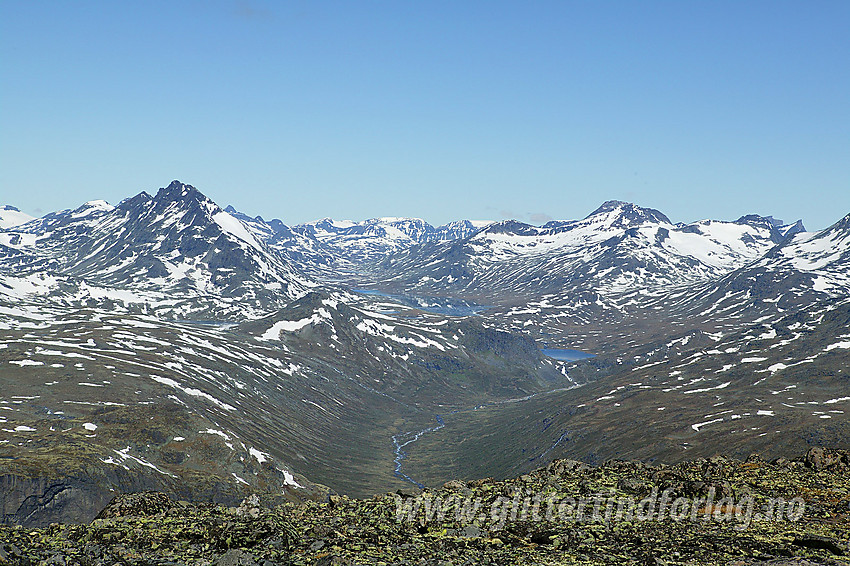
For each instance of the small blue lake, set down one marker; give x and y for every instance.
(436, 305)
(566, 355)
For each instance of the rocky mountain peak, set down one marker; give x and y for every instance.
(511, 227)
(791, 229)
(180, 192)
(842, 225)
(779, 230)
(629, 213)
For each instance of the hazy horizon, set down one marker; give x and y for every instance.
(535, 220)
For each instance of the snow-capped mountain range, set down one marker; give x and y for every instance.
(619, 247)
(281, 356)
(180, 255)
(165, 252)
(372, 240)
(795, 274)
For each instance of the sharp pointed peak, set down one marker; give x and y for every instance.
(178, 191)
(789, 230)
(176, 187)
(612, 205)
(842, 225)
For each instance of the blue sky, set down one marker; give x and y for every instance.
(441, 110)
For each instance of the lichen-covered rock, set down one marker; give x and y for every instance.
(488, 522)
(235, 557)
(144, 504)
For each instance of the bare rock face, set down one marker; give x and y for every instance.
(566, 467)
(38, 501)
(41, 501)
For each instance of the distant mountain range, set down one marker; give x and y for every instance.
(618, 247)
(168, 343)
(374, 239)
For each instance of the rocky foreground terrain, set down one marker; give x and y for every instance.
(708, 511)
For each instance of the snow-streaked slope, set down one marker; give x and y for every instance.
(11, 216)
(319, 386)
(299, 249)
(459, 229)
(824, 253)
(235, 228)
(803, 270)
(763, 388)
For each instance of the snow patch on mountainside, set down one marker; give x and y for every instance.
(817, 251)
(11, 216)
(234, 227)
(92, 207)
(273, 333)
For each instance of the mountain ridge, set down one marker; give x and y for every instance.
(165, 334)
